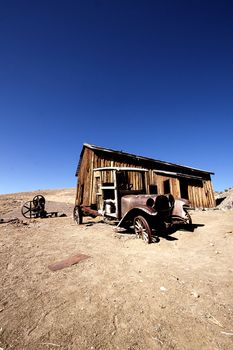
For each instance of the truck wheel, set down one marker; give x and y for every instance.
(142, 229)
(78, 215)
(188, 217)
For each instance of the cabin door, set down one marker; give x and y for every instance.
(184, 189)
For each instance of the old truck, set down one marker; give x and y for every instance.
(120, 195)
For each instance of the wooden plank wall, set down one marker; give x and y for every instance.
(85, 178)
(199, 196)
(155, 179)
(175, 187)
(91, 160)
(202, 197)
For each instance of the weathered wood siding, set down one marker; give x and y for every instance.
(200, 194)
(85, 178)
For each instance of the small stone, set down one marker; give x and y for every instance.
(10, 267)
(195, 294)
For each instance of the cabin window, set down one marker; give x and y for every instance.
(153, 189)
(166, 187)
(196, 183)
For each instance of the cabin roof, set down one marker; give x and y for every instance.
(134, 156)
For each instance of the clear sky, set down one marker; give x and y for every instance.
(150, 77)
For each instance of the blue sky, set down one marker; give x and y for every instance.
(150, 77)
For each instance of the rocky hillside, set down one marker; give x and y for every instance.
(224, 200)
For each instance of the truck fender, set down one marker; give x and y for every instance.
(132, 213)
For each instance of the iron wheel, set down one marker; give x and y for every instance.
(188, 217)
(142, 229)
(38, 199)
(182, 220)
(27, 210)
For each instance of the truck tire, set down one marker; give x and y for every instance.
(142, 228)
(78, 215)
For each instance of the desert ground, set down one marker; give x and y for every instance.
(174, 294)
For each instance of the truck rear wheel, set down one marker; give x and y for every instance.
(142, 228)
(188, 217)
(78, 215)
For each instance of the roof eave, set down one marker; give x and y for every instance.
(98, 148)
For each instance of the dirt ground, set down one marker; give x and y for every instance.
(174, 294)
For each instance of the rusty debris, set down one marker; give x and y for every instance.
(68, 262)
(36, 209)
(13, 221)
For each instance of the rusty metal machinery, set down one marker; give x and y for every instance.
(36, 209)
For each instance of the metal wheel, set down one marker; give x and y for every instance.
(38, 199)
(142, 229)
(78, 215)
(188, 217)
(27, 210)
(182, 220)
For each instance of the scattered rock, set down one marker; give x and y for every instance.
(195, 294)
(227, 333)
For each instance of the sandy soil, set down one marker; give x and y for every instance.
(175, 294)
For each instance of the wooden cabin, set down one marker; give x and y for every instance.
(161, 177)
